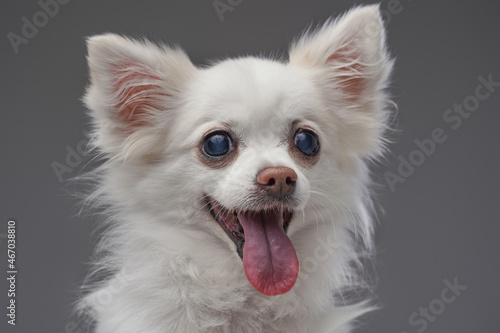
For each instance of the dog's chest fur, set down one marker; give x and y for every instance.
(177, 294)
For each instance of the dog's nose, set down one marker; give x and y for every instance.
(277, 181)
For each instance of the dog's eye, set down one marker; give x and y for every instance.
(217, 144)
(307, 142)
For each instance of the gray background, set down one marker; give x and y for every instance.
(440, 223)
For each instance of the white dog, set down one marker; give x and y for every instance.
(236, 195)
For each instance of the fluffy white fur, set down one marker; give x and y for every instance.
(167, 266)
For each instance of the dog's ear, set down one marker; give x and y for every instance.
(134, 89)
(348, 61)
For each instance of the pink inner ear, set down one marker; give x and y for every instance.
(134, 97)
(352, 83)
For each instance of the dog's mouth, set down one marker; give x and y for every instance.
(269, 258)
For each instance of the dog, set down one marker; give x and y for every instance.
(236, 195)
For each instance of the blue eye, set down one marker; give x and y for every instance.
(217, 144)
(307, 142)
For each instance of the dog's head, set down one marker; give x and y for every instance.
(251, 150)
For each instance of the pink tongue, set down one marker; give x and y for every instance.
(269, 258)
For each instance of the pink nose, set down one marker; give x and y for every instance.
(277, 181)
